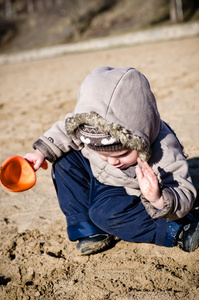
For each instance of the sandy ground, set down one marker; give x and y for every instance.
(37, 259)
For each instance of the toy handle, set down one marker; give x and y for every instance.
(44, 165)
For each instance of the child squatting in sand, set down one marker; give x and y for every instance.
(118, 169)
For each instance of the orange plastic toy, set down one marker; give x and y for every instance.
(17, 174)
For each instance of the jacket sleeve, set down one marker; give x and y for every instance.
(55, 142)
(175, 183)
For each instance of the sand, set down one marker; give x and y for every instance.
(37, 260)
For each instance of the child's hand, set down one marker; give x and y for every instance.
(148, 183)
(36, 158)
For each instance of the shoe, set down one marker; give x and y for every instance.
(94, 243)
(188, 237)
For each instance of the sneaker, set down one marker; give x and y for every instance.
(94, 243)
(188, 237)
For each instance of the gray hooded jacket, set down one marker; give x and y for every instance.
(120, 102)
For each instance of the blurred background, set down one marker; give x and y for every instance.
(31, 24)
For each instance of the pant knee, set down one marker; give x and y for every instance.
(99, 217)
(106, 217)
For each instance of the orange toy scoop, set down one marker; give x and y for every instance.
(17, 174)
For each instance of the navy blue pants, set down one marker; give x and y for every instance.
(91, 207)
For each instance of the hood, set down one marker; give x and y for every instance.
(118, 101)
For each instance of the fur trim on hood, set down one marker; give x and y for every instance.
(115, 130)
(118, 102)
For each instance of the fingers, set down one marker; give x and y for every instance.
(146, 176)
(33, 162)
(139, 173)
(37, 165)
(146, 169)
(29, 158)
(35, 158)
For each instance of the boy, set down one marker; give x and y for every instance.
(119, 170)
